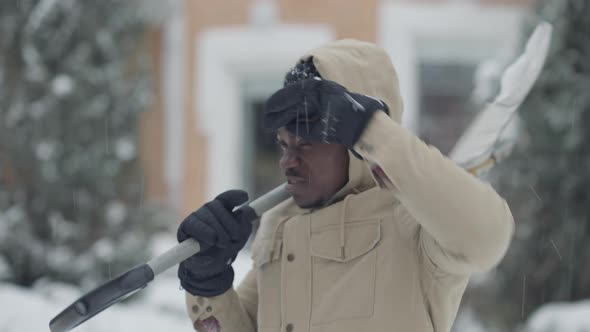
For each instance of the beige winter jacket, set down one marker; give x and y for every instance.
(390, 257)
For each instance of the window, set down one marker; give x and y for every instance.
(445, 111)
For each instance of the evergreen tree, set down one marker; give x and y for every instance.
(546, 179)
(73, 81)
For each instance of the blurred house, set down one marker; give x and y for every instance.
(218, 61)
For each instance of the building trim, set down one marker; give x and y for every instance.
(173, 74)
(226, 57)
(454, 30)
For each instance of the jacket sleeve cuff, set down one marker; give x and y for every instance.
(376, 140)
(226, 308)
(200, 307)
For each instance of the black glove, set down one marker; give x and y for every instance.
(321, 111)
(221, 234)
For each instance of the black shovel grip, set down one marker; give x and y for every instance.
(101, 298)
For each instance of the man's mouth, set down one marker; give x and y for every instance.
(295, 180)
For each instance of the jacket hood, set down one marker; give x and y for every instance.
(365, 68)
(361, 67)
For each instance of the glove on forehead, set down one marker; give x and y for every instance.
(299, 102)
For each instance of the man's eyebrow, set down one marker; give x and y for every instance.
(300, 142)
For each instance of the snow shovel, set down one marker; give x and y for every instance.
(137, 278)
(482, 145)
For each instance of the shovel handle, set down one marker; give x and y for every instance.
(126, 284)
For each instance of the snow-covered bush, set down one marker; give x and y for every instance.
(74, 78)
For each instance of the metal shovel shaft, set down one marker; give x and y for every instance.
(126, 284)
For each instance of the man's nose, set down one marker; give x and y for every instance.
(289, 160)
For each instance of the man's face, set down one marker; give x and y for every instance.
(314, 171)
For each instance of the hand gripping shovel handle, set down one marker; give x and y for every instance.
(137, 278)
(189, 247)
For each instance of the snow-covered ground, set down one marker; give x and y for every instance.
(161, 307)
(26, 310)
(561, 317)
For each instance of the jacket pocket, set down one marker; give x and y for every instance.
(343, 277)
(265, 255)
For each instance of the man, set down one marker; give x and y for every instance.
(382, 231)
